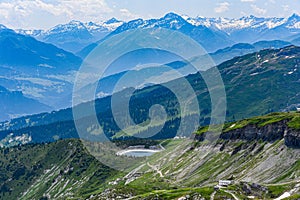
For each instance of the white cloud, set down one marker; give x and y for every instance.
(257, 10)
(126, 13)
(248, 0)
(222, 7)
(17, 13)
(243, 13)
(286, 8)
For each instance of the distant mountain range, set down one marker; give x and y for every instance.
(46, 73)
(14, 104)
(41, 71)
(222, 31)
(39, 63)
(107, 85)
(241, 49)
(296, 39)
(74, 35)
(25, 54)
(257, 83)
(252, 29)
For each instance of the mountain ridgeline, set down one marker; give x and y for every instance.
(12, 101)
(28, 172)
(217, 33)
(268, 128)
(43, 72)
(212, 33)
(46, 73)
(74, 35)
(255, 84)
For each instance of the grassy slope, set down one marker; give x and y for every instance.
(262, 82)
(57, 170)
(193, 172)
(293, 119)
(64, 170)
(195, 165)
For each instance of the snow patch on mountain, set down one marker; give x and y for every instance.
(230, 25)
(225, 24)
(2, 27)
(72, 26)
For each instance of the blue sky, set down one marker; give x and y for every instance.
(44, 14)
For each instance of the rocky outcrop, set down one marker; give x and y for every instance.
(292, 138)
(269, 133)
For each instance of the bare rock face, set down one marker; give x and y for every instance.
(269, 133)
(292, 138)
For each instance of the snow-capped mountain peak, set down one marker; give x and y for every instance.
(293, 22)
(2, 27)
(76, 35)
(71, 26)
(91, 26)
(170, 20)
(230, 25)
(176, 21)
(75, 23)
(171, 16)
(112, 24)
(294, 16)
(112, 21)
(33, 33)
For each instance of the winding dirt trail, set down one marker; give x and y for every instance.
(212, 196)
(155, 169)
(233, 195)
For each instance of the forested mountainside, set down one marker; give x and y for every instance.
(255, 84)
